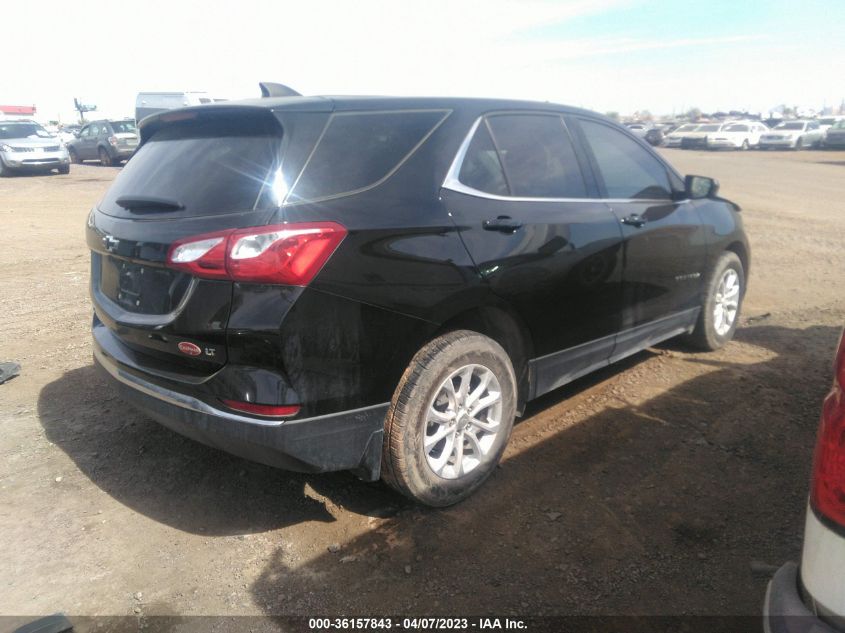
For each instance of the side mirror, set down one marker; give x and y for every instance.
(697, 187)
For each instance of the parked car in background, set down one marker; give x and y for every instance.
(27, 146)
(834, 138)
(108, 141)
(655, 136)
(698, 138)
(674, 138)
(639, 129)
(737, 135)
(67, 133)
(792, 135)
(147, 103)
(250, 307)
(811, 598)
(826, 122)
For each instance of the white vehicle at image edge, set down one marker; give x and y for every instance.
(674, 138)
(737, 135)
(27, 146)
(812, 600)
(793, 135)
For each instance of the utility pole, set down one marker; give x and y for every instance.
(82, 109)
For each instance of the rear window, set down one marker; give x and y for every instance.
(211, 167)
(359, 150)
(123, 127)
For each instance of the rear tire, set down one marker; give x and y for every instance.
(4, 171)
(105, 158)
(724, 292)
(64, 169)
(450, 419)
(74, 157)
(799, 144)
(745, 145)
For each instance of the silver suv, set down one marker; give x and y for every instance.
(26, 146)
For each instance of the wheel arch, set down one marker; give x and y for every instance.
(507, 329)
(741, 251)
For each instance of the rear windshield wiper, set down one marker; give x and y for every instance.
(149, 203)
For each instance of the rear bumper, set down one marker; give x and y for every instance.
(784, 611)
(122, 152)
(349, 440)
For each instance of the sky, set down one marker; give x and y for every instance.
(664, 56)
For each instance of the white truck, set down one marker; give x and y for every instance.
(147, 103)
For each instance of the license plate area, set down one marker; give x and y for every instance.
(141, 288)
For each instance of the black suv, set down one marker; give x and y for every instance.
(381, 284)
(108, 141)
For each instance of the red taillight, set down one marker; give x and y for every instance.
(269, 410)
(827, 494)
(289, 254)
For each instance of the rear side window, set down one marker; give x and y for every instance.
(481, 168)
(538, 156)
(123, 127)
(211, 167)
(627, 169)
(358, 150)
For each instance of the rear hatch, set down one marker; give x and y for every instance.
(125, 133)
(193, 174)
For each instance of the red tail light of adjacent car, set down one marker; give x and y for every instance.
(287, 254)
(827, 494)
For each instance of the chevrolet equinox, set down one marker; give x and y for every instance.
(380, 284)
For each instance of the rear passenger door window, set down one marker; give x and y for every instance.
(627, 169)
(538, 157)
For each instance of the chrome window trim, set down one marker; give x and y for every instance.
(453, 183)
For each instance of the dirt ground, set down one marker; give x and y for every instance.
(648, 488)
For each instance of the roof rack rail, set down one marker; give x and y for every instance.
(270, 89)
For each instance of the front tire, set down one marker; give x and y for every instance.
(725, 290)
(74, 157)
(450, 419)
(64, 169)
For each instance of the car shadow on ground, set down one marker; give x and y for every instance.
(198, 489)
(182, 483)
(650, 508)
(653, 508)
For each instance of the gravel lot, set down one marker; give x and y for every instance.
(648, 488)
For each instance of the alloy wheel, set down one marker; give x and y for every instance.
(726, 303)
(462, 421)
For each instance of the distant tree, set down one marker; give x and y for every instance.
(612, 115)
(693, 114)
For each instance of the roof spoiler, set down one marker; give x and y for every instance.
(270, 89)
